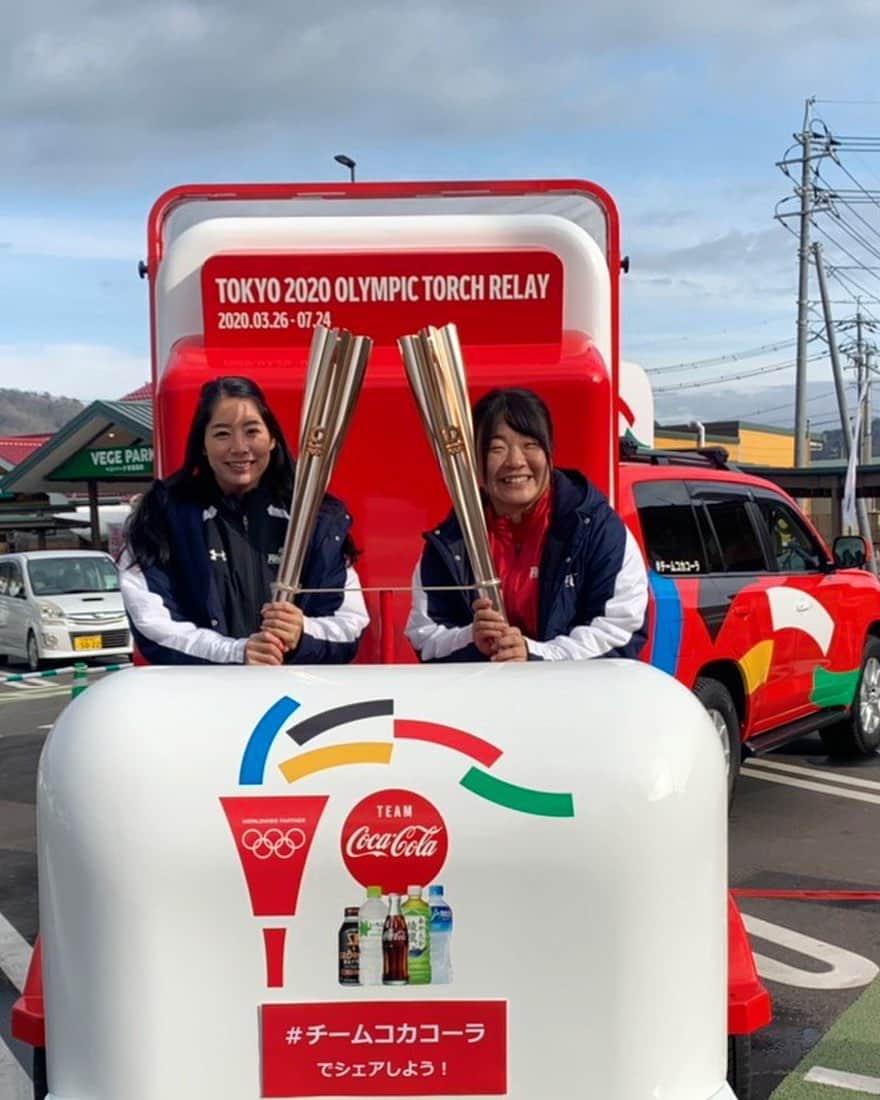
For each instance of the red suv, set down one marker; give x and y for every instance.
(773, 633)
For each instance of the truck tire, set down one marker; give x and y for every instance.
(41, 1084)
(859, 733)
(739, 1065)
(718, 702)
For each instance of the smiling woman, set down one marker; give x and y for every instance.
(204, 545)
(572, 576)
(238, 445)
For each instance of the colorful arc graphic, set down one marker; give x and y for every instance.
(526, 800)
(334, 756)
(256, 751)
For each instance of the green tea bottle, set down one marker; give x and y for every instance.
(417, 914)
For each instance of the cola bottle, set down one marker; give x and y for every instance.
(395, 945)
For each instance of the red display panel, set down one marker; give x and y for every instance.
(375, 1048)
(276, 299)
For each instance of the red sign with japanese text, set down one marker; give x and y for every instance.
(394, 838)
(376, 1048)
(273, 837)
(503, 296)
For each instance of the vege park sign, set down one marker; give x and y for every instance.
(106, 462)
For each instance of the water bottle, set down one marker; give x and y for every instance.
(371, 921)
(441, 936)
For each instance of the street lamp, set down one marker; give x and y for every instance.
(346, 162)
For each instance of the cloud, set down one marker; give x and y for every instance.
(733, 251)
(106, 84)
(699, 288)
(679, 108)
(88, 372)
(769, 405)
(71, 238)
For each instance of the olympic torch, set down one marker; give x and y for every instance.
(435, 369)
(337, 361)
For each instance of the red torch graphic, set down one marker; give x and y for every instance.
(274, 836)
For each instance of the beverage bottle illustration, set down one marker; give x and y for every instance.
(441, 936)
(371, 922)
(349, 947)
(394, 945)
(417, 914)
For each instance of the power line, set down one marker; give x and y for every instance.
(836, 243)
(717, 360)
(835, 271)
(861, 299)
(770, 369)
(858, 237)
(788, 405)
(846, 172)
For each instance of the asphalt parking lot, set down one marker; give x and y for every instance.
(802, 841)
(802, 834)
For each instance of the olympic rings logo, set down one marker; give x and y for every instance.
(273, 842)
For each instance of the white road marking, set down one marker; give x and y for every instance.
(807, 785)
(28, 685)
(43, 693)
(15, 954)
(829, 777)
(846, 970)
(855, 1082)
(14, 1082)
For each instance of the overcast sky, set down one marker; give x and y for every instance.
(679, 109)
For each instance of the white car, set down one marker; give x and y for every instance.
(61, 604)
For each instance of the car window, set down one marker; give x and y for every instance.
(669, 528)
(741, 549)
(4, 578)
(713, 550)
(13, 582)
(793, 546)
(60, 576)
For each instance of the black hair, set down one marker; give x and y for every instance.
(521, 410)
(146, 533)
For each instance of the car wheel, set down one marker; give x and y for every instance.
(859, 733)
(41, 1084)
(739, 1065)
(33, 653)
(721, 709)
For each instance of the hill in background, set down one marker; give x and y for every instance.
(26, 413)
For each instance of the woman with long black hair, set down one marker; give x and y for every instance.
(203, 548)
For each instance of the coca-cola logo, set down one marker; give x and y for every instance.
(394, 839)
(413, 840)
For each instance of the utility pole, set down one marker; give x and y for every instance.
(869, 435)
(864, 522)
(864, 388)
(831, 334)
(801, 450)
